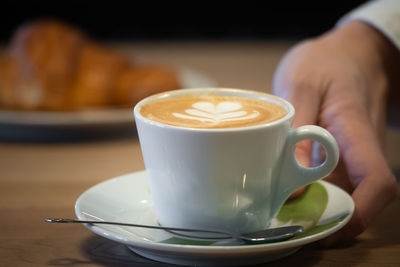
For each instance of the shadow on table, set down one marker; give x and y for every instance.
(109, 253)
(384, 230)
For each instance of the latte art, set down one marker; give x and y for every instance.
(212, 111)
(215, 114)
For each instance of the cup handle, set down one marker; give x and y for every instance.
(293, 175)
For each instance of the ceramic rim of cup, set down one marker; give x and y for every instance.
(216, 91)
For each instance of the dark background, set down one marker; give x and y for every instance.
(189, 20)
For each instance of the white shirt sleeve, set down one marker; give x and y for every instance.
(384, 15)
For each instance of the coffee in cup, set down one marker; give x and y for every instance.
(212, 111)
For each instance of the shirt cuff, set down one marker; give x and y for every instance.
(383, 15)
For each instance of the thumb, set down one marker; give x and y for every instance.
(306, 100)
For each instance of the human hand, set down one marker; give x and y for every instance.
(340, 81)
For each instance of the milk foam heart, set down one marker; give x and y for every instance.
(222, 107)
(223, 111)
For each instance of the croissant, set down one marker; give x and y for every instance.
(52, 66)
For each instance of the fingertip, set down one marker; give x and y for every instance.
(345, 236)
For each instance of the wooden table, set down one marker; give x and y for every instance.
(44, 179)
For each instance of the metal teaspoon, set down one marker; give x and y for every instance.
(263, 236)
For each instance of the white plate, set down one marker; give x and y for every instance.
(95, 117)
(127, 199)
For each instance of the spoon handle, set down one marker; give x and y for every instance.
(58, 220)
(263, 236)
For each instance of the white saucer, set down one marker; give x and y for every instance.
(127, 199)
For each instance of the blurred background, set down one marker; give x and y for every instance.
(230, 44)
(134, 20)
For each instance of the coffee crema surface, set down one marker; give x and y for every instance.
(212, 111)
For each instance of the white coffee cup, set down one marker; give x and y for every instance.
(229, 179)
